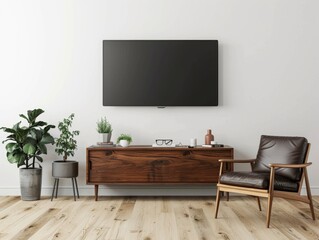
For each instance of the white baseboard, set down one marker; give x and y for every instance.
(122, 191)
(88, 190)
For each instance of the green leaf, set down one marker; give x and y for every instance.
(47, 138)
(59, 151)
(10, 147)
(16, 126)
(39, 124)
(8, 130)
(23, 116)
(11, 158)
(16, 158)
(21, 163)
(29, 149)
(40, 159)
(11, 137)
(47, 128)
(21, 134)
(76, 133)
(33, 114)
(36, 134)
(42, 148)
(31, 141)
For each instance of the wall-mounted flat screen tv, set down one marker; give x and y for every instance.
(160, 73)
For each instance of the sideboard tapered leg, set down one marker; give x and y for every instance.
(96, 188)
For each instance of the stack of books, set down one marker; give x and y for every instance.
(213, 145)
(105, 144)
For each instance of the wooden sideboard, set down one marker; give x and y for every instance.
(153, 165)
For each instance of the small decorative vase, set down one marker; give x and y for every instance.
(209, 137)
(124, 143)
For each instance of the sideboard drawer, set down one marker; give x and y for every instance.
(119, 165)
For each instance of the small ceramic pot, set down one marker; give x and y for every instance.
(124, 143)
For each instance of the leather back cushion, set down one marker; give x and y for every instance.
(285, 150)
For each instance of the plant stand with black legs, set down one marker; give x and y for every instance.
(56, 188)
(65, 146)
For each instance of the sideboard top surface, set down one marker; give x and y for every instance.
(149, 147)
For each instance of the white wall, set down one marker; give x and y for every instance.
(51, 56)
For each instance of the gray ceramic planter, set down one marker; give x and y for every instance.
(30, 183)
(65, 169)
(106, 137)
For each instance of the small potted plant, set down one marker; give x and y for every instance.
(26, 144)
(124, 140)
(65, 146)
(105, 129)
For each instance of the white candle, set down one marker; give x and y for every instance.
(193, 142)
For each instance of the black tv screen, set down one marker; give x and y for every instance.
(160, 72)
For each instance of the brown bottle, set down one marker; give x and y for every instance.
(209, 137)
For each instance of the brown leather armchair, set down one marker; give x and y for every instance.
(278, 171)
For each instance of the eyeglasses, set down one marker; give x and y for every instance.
(167, 142)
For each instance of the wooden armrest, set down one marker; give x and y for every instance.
(237, 160)
(279, 165)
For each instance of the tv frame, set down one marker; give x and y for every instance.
(216, 86)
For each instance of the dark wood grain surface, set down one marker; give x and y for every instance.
(147, 165)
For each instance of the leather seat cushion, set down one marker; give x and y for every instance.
(279, 149)
(258, 180)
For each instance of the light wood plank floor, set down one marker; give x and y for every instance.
(150, 218)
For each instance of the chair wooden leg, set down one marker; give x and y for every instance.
(217, 202)
(271, 194)
(270, 198)
(259, 205)
(311, 209)
(309, 194)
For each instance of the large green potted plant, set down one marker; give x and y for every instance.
(105, 129)
(25, 146)
(65, 146)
